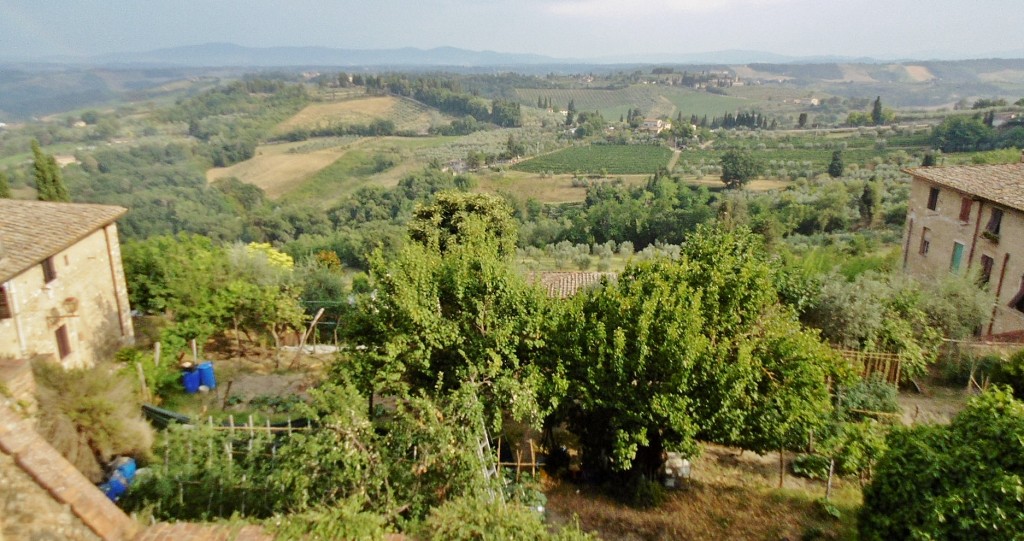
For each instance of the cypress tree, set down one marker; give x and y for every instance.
(836, 166)
(60, 191)
(5, 186)
(41, 171)
(876, 112)
(49, 184)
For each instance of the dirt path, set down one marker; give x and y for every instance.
(675, 158)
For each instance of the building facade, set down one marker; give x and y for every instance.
(62, 287)
(970, 219)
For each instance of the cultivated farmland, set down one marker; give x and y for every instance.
(408, 115)
(652, 100)
(601, 159)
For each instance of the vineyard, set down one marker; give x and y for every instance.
(601, 159)
(653, 101)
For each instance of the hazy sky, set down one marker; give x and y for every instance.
(559, 28)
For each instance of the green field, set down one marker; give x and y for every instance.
(601, 159)
(652, 100)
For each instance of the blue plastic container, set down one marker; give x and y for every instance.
(190, 379)
(115, 487)
(206, 376)
(126, 467)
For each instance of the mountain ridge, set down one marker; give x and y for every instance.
(230, 54)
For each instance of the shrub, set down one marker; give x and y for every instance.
(961, 481)
(343, 520)
(90, 415)
(1011, 373)
(479, 518)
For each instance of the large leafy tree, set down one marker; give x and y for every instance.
(451, 309)
(960, 133)
(696, 348)
(453, 219)
(962, 481)
(739, 167)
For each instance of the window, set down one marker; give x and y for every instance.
(958, 255)
(63, 342)
(986, 269)
(5, 307)
(965, 209)
(1018, 300)
(49, 270)
(995, 221)
(925, 241)
(933, 199)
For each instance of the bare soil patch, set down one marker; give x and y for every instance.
(855, 74)
(919, 73)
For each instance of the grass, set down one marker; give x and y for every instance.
(601, 159)
(731, 496)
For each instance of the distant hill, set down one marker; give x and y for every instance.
(226, 54)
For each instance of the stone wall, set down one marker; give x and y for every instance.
(88, 299)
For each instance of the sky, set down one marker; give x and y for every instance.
(583, 29)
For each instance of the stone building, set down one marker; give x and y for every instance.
(62, 288)
(970, 219)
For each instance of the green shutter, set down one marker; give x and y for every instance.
(958, 254)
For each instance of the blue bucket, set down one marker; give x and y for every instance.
(190, 379)
(206, 376)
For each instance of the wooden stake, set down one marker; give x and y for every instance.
(156, 354)
(305, 336)
(782, 465)
(831, 471)
(142, 383)
(227, 394)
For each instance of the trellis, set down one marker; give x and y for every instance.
(875, 362)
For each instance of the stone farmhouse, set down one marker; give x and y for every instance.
(655, 125)
(62, 287)
(970, 219)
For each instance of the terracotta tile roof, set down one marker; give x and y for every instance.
(60, 479)
(187, 531)
(560, 285)
(1001, 184)
(31, 231)
(1011, 337)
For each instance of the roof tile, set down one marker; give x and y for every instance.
(1001, 184)
(31, 231)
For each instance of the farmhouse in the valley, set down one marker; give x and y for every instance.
(970, 218)
(62, 288)
(655, 125)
